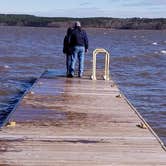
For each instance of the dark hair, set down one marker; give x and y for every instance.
(69, 30)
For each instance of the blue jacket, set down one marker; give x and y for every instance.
(79, 38)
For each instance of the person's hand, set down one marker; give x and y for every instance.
(86, 50)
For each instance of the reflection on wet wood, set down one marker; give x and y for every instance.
(72, 121)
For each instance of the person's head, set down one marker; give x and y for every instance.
(77, 24)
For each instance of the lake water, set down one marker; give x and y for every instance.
(138, 65)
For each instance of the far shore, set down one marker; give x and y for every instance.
(93, 22)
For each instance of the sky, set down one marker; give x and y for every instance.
(86, 8)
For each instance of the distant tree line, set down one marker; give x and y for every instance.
(95, 22)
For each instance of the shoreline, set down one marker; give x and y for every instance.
(95, 22)
(87, 28)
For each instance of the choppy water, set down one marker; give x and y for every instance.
(138, 64)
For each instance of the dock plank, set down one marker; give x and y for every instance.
(72, 121)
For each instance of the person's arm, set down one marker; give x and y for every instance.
(86, 42)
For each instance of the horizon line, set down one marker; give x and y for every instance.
(81, 17)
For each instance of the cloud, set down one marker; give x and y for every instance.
(137, 3)
(85, 4)
(73, 12)
(118, 8)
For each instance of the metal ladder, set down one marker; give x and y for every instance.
(107, 61)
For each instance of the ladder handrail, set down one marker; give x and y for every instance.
(107, 61)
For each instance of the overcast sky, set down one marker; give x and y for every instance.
(86, 8)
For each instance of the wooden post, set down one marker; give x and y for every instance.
(107, 61)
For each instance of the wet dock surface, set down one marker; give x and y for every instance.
(73, 121)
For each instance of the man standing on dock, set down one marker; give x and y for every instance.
(79, 44)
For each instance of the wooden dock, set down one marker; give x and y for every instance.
(73, 121)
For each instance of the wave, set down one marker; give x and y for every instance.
(4, 67)
(4, 92)
(163, 51)
(154, 43)
(140, 56)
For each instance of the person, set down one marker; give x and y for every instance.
(67, 49)
(79, 45)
